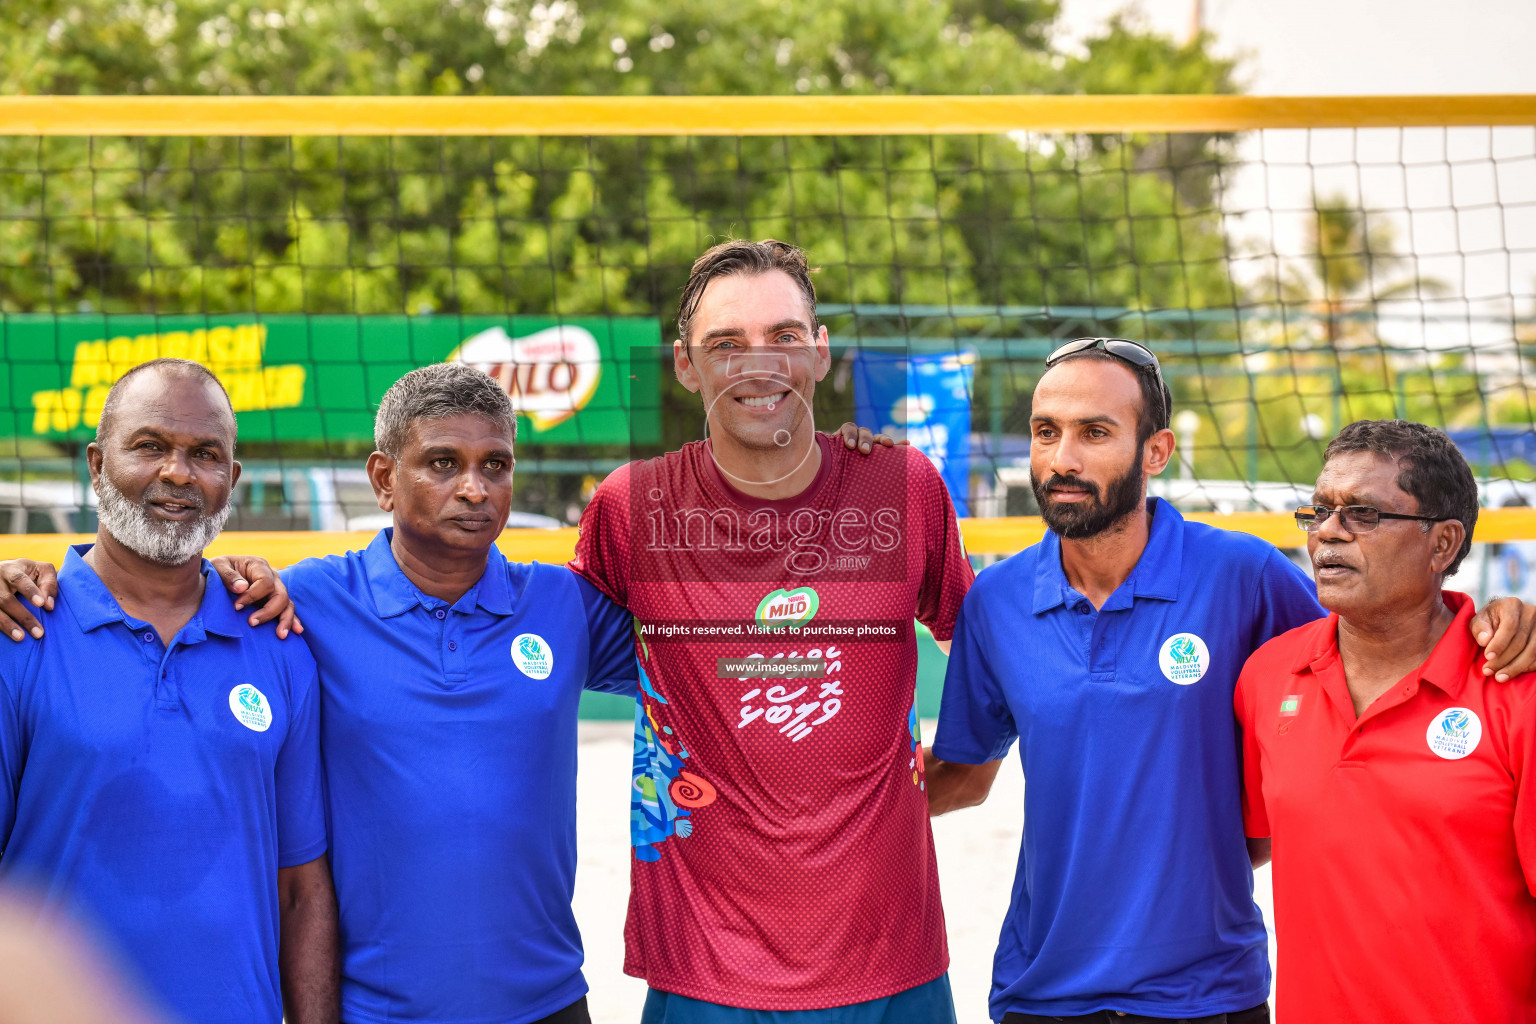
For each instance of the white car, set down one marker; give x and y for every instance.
(45, 506)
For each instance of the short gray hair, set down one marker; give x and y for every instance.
(436, 392)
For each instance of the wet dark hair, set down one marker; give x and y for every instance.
(743, 257)
(1430, 468)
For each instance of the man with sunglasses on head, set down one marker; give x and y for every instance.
(1398, 785)
(1133, 899)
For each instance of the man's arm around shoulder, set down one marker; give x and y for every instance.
(26, 586)
(611, 664)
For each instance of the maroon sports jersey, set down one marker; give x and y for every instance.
(783, 857)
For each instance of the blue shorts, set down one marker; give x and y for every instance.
(925, 1004)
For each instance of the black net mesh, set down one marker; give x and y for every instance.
(1290, 281)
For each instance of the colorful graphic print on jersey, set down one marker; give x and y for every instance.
(663, 795)
(915, 730)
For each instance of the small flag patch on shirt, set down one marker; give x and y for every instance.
(1291, 705)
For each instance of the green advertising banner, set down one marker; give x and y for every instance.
(313, 378)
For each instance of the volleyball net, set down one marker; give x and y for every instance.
(1295, 263)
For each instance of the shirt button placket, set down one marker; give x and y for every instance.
(165, 693)
(456, 670)
(156, 665)
(1085, 630)
(1100, 662)
(453, 662)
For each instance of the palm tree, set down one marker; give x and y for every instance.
(1351, 267)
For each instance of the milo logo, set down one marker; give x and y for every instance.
(783, 608)
(550, 376)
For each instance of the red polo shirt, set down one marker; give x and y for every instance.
(1404, 840)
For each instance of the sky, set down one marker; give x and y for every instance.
(1353, 47)
(1463, 202)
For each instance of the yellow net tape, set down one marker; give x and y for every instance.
(1000, 536)
(738, 115)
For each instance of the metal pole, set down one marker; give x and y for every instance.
(1253, 446)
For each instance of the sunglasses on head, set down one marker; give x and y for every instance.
(1139, 356)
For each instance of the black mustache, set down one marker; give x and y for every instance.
(1077, 483)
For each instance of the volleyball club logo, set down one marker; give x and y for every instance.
(1184, 658)
(532, 656)
(782, 608)
(250, 707)
(1454, 733)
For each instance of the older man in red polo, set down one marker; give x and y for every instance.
(1393, 777)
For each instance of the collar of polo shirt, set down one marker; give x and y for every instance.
(1445, 669)
(1156, 574)
(94, 606)
(394, 594)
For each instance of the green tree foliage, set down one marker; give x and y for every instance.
(579, 225)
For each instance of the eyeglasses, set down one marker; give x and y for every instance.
(1139, 356)
(1355, 518)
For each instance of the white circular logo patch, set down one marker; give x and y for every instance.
(250, 707)
(532, 655)
(1454, 733)
(1184, 658)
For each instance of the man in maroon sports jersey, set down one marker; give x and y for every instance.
(783, 858)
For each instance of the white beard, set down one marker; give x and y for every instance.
(161, 541)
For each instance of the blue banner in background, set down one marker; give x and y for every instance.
(925, 399)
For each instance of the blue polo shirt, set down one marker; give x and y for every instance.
(1134, 891)
(449, 736)
(154, 790)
